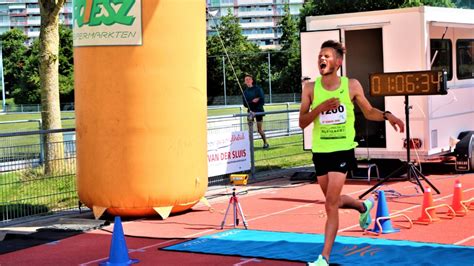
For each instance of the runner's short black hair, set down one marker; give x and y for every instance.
(340, 50)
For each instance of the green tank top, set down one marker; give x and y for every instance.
(334, 129)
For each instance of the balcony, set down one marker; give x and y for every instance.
(14, 7)
(221, 4)
(254, 2)
(257, 13)
(18, 23)
(18, 14)
(33, 22)
(33, 10)
(260, 36)
(247, 25)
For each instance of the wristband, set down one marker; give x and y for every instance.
(385, 115)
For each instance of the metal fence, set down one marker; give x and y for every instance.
(34, 108)
(213, 102)
(26, 190)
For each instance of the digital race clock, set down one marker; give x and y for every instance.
(408, 83)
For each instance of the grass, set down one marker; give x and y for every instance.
(30, 122)
(284, 152)
(25, 146)
(28, 192)
(236, 110)
(25, 191)
(225, 111)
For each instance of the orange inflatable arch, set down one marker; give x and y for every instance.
(141, 106)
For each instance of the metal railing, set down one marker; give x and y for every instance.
(26, 190)
(34, 108)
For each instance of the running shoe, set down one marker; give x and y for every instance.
(365, 219)
(321, 261)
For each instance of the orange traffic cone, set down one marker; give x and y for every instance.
(457, 205)
(428, 214)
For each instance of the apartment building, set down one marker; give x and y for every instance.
(25, 15)
(258, 18)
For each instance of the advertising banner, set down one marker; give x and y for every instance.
(228, 152)
(107, 22)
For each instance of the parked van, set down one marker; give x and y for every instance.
(399, 40)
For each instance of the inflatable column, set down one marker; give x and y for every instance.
(140, 95)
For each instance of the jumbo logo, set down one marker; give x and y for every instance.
(103, 12)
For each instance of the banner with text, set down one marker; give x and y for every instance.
(107, 22)
(228, 152)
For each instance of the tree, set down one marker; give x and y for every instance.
(66, 65)
(14, 58)
(49, 80)
(289, 26)
(288, 59)
(242, 53)
(464, 4)
(29, 91)
(21, 66)
(439, 3)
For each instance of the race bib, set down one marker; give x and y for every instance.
(334, 116)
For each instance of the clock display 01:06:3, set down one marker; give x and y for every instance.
(406, 83)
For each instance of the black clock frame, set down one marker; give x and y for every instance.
(429, 82)
(408, 166)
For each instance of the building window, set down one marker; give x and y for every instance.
(464, 54)
(443, 51)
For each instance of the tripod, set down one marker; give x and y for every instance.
(412, 171)
(234, 201)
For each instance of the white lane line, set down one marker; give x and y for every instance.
(267, 215)
(195, 234)
(464, 240)
(245, 261)
(131, 251)
(294, 208)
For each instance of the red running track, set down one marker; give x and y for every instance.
(273, 206)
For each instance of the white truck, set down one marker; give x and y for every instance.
(399, 40)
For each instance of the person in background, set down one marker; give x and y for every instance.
(254, 99)
(329, 103)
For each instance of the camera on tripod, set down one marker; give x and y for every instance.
(236, 180)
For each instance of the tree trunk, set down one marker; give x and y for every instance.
(49, 82)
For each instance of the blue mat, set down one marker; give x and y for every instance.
(346, 250)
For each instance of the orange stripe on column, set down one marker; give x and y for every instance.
(87, 11)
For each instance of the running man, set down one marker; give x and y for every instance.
(329, 103)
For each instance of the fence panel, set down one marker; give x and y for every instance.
(26, 190)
